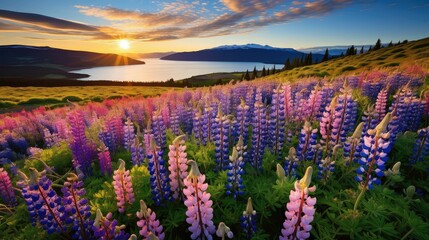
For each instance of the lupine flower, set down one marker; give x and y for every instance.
(421, 146)
(291, 163)
(259, 136)
(288, 110)
(234, 183)
(223, 230)
(43, 203)
(380, 104)
(148, 223)
(376, 147)
(82, 152)
(159, 181)
(307, 142)
(123, 186)
(326, 124)
(353, 145)
(105, 160)
(159, 129)
(51, 139)
(198, 125)
(248, 220)
(220, 137)
(6, 189)
(128, 134)
(77, 208)
(300, 210)
(174, 122)
(200, 212)
(313, 104)
(277, 121)
(106, 229)
(327, 166)
(208, 121)
(177, 166)
(148, 135)
(242, 123)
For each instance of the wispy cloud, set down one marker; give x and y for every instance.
(175, 20)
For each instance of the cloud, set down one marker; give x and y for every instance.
(247, 6)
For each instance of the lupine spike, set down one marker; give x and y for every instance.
(177, 166)
(123, 186)
(276, 121)
(307, 142)
(106, 229)
(148, 223)
(259, 136)
(220, 132)
(421, 146)
(128, 134)
(234, 183)
(6, 189)
(248, 220)
(105, 160)
(353, 145)
(159, 181)
(291, 163)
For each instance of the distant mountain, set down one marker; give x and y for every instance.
(242, 53)
(155, 54)
(336, 50)
(21, 55)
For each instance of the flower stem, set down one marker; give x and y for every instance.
(359, 198)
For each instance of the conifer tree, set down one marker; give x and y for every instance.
(377, 45)
(361, 50)
(264, 72)
(326, 56)
(390, 44)
(255, 73)
(288, 65)
(247, 75)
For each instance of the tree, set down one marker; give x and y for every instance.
(295, 62)
(370, 49)
(309, 59)
(264, 72)
(255, 73)
(377, 45)
(361, 50)
(351, 51)
(247, 76)
(274, 69)
(390, 44)
(287, 66)
(326, 56)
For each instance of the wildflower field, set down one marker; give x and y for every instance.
(345, 158)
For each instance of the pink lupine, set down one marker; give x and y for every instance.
(177, 166)
(105, 160)
(200, 212)
(6, 189)
(300, 210)
(148, 222)
(123, 186)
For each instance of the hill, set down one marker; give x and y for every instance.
(242, 53)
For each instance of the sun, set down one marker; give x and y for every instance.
(124, 44)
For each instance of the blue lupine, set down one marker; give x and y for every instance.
(291, 163)
(137, 152)
(277, 121)
(259, 135)
(77, 208)
(370, 118)
(106, 137)
(235, 185)
(174, 122)
(353, 145)
(128, 134)
(81, 150)
(208, 121)
(306, 143)
(326, 166)
(421, 146)
(159, 180)
(248, 220)
(376, 147)
(198, 126)
(159, 130)
(242, 121)
(106, 229)
(220, 137)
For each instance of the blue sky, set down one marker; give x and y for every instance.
(186, 25)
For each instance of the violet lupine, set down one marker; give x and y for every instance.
(137, 152)
(234, 183)
(291, 163)
(314, 103)
(248, 220)
(177, 166)
(77, 208)
(174, 122)
(242, 120)
(277, 121)
(148, 135)
(123, 186)
(43, 203)
(198, 125)
(128, 134)
(208, 121)
(300, 209)
(306, 142)
(370, 118)
(421, 146)
(220, 137)
(81, 150)
(381, 103)
(148, 223)
(199, 206)
(159, 181)
(106, 229)
(159, 129)
(6, 189)
(376, 147)
(353, 145)
(51, 139)
(105, 160)
(224, 231)
(325, 124)
(259, 136)
(326, 166)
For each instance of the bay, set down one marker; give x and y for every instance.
(162, 70)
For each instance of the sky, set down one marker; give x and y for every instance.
(189, 25)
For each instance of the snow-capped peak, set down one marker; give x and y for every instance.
(246, 46)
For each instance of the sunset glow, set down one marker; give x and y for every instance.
(124, 44)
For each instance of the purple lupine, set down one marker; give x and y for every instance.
(376, 147)
(177, 166)
(370, 118)
(241, 127)
(306, 143)
(326, 166)
(421, 146)
(291, 163)
(106, 229)
(288, 102)
(43, 203)
(148, 223)
(123, 186)
(148, 135)
(137, 152)
(381, 103)
(353, 145)
(105, 160)
(128, 134)
(174, 122)
(6, 189)
(234, 183)
(208, 121)
(81, 150)
(106, 137)
(325, 124)
(314, 103)
(199, 206)
(159, 129)
(248, 220)
(220, 137)
(277, 120)
(259, 135)
(77, 208)
(51, 139)
(159, 181)
(198, 126)
(300, 209)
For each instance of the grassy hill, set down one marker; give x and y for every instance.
(390, 58)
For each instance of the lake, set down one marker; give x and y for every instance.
(163, 70)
